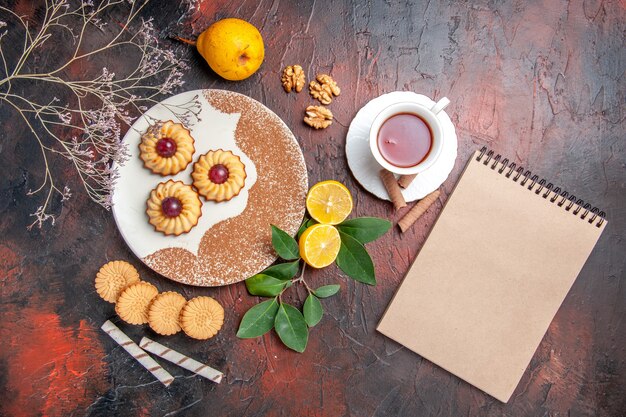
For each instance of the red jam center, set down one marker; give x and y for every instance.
(166, 147)
(218, 174)
(171, 206)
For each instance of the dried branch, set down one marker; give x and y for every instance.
(86, 127)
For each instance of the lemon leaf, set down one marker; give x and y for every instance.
(265, 285)
(327, 290)
(354, 260)
(258, 320)
(305, 225)
(312, 310)
(302, 227)
(285, 270)
(291, 327)
(285, 246)
(365, 229)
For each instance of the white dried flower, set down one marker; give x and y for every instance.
(66, 193)
(41, 217)
(65, 117)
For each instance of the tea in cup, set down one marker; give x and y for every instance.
(407, 138)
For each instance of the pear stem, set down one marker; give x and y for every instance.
(187, 41)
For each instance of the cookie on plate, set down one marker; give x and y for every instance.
(166, 148)
(219, 175)
(173, 208)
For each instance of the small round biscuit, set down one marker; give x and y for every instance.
(164, 311)
(132, 304)
(201, 318)
(113, 277)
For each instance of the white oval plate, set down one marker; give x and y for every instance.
(213, 130)
(365, 168)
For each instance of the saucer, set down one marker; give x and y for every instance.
(365, 168)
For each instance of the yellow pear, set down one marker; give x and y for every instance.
(232, 47)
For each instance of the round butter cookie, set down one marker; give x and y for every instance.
(132, 304)
(201, 318)
(164, 311)
(113, 277)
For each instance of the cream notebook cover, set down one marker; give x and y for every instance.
(492, 274)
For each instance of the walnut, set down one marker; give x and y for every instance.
(318, 117)
(324, 88)
(293, 78)
(328, 81)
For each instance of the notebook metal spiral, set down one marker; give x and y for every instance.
(515, 173)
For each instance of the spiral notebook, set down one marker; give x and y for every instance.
(492, 274)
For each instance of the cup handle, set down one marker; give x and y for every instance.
(440, 105)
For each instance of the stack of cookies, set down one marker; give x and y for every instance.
(139, 302)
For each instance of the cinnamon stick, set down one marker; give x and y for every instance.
(405, 180)
(393, 189)
(417, 210)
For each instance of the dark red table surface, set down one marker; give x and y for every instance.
(541, 82)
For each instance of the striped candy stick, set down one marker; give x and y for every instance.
(136, 352)
(181, 360)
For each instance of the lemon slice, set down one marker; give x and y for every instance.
(319, 245)
(329, 202)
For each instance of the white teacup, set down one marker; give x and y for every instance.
(428, 115)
